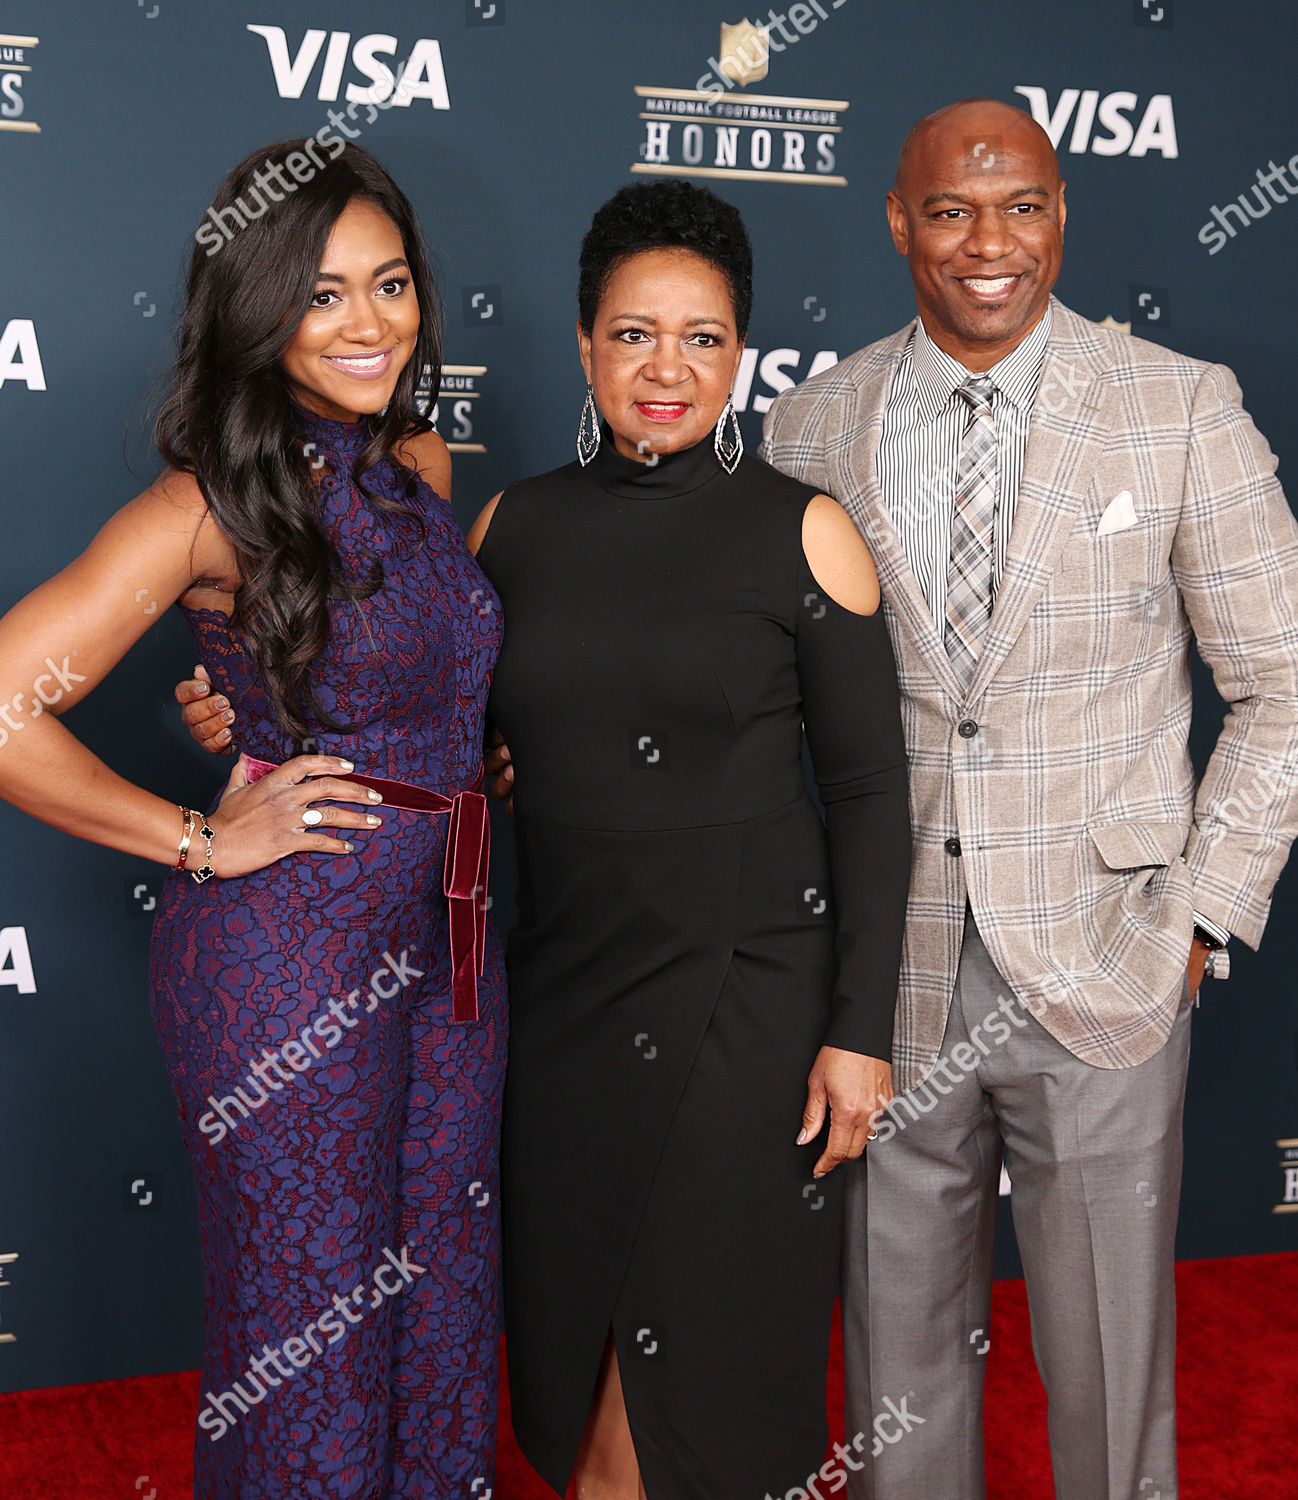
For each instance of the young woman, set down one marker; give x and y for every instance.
(685, 991)
(327, 992)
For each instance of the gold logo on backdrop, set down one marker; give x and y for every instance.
(454, 414)
(745, 52)
(1288, 1203)
(15, 73)
(1109, 321)
(7, 1260)
(717, 130)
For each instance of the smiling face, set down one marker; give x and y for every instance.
(663, 352)
(361, 327)
(978, 211)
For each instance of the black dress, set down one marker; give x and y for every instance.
(679, 959)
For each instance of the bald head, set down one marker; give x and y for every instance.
(977, 207)
(956, 132)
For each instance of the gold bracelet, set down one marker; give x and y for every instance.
(190, 817)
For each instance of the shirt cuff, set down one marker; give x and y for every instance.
(1217, 933)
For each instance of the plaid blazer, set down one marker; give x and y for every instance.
(1063, 771)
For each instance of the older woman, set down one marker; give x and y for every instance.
(685, 991)
(673, 613)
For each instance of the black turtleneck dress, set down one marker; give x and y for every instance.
(690, 934)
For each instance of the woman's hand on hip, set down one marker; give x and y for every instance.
(260, 822)
(855, 1090)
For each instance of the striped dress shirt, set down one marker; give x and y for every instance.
(920, 448)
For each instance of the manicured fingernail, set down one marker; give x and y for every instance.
(347, 765)
(347, 848)
(373, 821)
(228, 716)
(202, 688)
(375, 796)
(802, 1137)
(224, 735)
(508, 773)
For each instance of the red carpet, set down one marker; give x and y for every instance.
(1237, 1370)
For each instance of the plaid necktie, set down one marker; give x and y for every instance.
(969, 579)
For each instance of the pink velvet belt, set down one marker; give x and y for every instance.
(468, 850)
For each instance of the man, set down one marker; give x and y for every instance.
(1053, 510)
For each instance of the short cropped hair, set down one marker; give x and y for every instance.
(666, 215)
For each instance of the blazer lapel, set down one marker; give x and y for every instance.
(854, 468)
(1065, 440)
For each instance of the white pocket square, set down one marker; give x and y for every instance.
(1118, 515)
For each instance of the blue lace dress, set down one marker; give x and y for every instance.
(343, 1128)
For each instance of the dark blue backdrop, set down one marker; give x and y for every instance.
(117, 122)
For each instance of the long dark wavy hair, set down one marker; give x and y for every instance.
(229, 418)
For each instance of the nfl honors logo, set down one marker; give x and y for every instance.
(748, 48)
(6, 1261)
(713, 131)
(1288, 1203)
(453, 414)
(16, 54)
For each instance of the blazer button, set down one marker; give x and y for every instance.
(967, 729)
(952, 847)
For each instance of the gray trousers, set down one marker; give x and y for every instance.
(1094, 1158)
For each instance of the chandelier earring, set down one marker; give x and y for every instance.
(588, 433)
(729, 444)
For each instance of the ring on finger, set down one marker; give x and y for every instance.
(873, 1136)
(312, 816)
